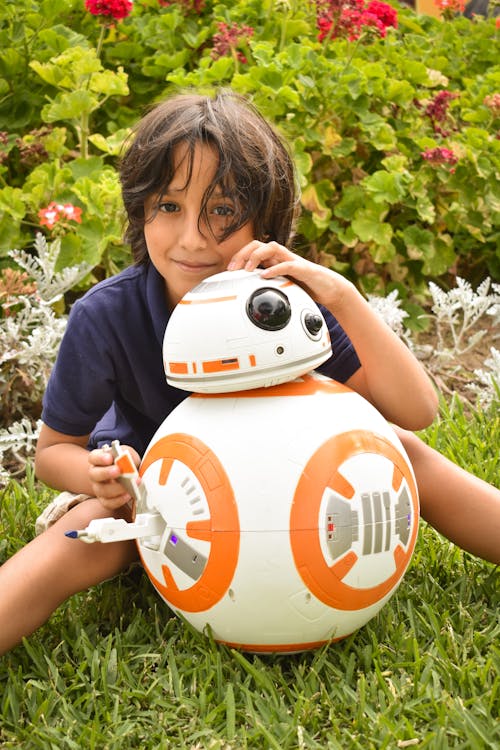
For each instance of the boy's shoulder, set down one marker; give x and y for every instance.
(127, 287)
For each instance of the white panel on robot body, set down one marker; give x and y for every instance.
(236, 331)
(291, 513)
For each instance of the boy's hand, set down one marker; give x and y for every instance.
(104, 477)
(324, 286)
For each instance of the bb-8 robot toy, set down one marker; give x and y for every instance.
(277, 506)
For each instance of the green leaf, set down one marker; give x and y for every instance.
(59, 37)
(295, 28)
(91, 168)
(12, 203)
(70, 106)
(315, 198)
(384, 187)
(109, 83)
(369, 229)
(113, 143)
(419, 242)
(69, 69)
(443, 258)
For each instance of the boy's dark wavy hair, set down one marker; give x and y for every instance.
(255, 166)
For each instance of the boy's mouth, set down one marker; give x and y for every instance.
(191, 267)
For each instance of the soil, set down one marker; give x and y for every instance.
(454, 374)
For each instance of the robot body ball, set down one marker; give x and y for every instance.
(291, 513)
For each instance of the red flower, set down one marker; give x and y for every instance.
(72, 213)
(49, 216)
(449, 8)
(117, 9)
(56, 213)
(350, 18)
(386, 14)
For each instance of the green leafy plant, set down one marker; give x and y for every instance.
(30, 334)
(393, 121)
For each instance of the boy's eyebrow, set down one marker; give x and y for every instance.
(170, 190)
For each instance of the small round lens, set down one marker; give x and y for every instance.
(313, 323)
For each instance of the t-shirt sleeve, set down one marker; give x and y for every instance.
(344, 361)
(81, 386)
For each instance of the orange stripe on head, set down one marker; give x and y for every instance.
(178, 368)
(206, 301)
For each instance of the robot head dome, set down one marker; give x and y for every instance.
(236, 331)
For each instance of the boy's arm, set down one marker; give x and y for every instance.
(390, 376)
(64, 463)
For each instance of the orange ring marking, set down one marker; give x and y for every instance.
(222, 530)
(321, 471)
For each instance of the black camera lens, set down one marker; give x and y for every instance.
(269, 309)
(313, 323)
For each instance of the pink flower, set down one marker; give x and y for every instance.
(437, 109)
(227, 39)
(56, 213)
(196, 5)
(440, 156)
(117, 9)
(493, 103)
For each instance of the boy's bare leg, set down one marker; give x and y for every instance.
(38, 578)
(459, 505)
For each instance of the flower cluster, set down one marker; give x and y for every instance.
(449, 8)
(349, 19)
(493, 103)
(4, 140)
(440, 156)
(117, 9)
(227, 39)
(437, 110)
(59, 213)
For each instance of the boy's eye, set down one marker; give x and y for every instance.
(223, 210)
(167, 207)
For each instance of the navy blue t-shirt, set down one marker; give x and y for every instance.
(108, 379)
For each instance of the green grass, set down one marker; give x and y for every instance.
(114, 669)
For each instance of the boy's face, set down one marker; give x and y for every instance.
(183, 249)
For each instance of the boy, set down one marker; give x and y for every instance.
(208, 185)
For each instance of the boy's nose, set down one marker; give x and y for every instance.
(193, 234)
